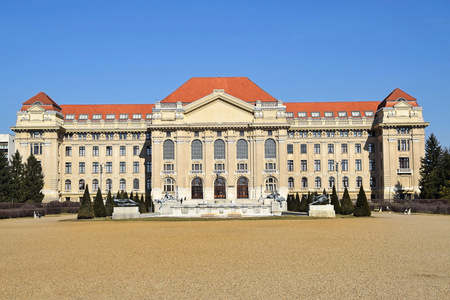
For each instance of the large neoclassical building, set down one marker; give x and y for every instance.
(224, 139)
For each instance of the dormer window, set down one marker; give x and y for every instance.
(70, 117)
(356, 114)
(37, 103)
(289, 114)
(401, 99)
(329, 114)
(123, 117)
(302, 114)
(83, 117)
(110, 117)
(137, 116)
(315, 114)
(148, 116)
(96, 117)
(342, 114)
(368, 113)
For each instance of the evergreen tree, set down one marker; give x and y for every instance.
(119, 195)
(86, 209)
(148, 202)
(33, 180)
(346, 204)
(17, 171)
(99, 206)
(310, 200)
(362, 208)
(142, 208)
(304, 204)
(6, 184)
(297, 203)
(430, 180)
(444, 188)
(125, 195)
(109, 206)
(335, 201)
(132, 196)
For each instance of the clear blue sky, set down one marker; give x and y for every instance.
(99, 52)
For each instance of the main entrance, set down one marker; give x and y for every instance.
(219, 188)
(197, 189)
(242, 187)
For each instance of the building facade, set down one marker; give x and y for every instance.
(224, 139)
(7, 145)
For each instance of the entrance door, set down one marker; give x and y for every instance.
(197, 189)
(242, 188)
(219, 189)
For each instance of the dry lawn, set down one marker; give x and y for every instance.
(387, 256)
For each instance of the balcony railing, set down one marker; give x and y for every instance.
(404, 171)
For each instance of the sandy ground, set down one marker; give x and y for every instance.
(387, 256)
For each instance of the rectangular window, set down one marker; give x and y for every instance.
(317, 133)
(83, 117)
(96, 117)
(123, 117)
(403, 145)
(403, 130)
(197, 167)
(36, 148)
(122, 136)
(242, 166)
(148, 116)
(302, 114)
(95, 150)
(122, 150)
(357, 133)
(137, 116)
(358, 165)
(96, 136)
(289, 114)
(330, 148)
(330, 133)
(331, 165)
(70, 117)
(135, 167)
(371, 148)
(343, 148)
(317, 148)
(371, 164)
(149, 150)
(135, 150)
(81, 167)
(356, 114)
(95, 169)
(68, 151)
(357, 148)
(269, 132)
(316, 165)
(82, 136)
(303, 165)
(290, 148)
(108, 167)
(329, 114)
(315, 114)
(82, 151)
(109, 136)
(108, 150)
(404, 162)
(122, 167)
(290, 134)
(368, 113)
(68, 168)
(168, 167)
(342, 114)
(110, 117)
(344, 165)
(136, 136)
(219, 167)
(148, 167)
(290, 165)
(303, 148)
(344, 133)
(271, 166)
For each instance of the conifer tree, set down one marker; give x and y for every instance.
(310, 199)
(17, 170)
(148, 202)
(125, 195)
(86, 209)
(132, 196)
(109, 205)
(141, 202)
(33, 180)
(362, 208)
(335, 201)
(429, 165)
(119, 195)
(99, 206)
(6, 184)
(304, 204)
(297, 203)
(346, 204)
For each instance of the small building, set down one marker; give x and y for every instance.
(7, 146)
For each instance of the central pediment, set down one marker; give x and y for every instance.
(219, 107)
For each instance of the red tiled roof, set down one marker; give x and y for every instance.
(392, 98)
(105, 109)
(334, 107)
(47, 102)
(199, 87)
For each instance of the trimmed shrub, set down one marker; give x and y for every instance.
(362, 208)
(86, 210)
(335, 201)
(142, 208)
(109, 206)
(304, 204)
(99, 206)
(54, 208)
(346, 204)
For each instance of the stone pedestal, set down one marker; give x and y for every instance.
(277, 209)
(322, 211)
(126, 212)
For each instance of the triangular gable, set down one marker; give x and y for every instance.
(222, 96)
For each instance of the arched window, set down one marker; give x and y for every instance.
(68, 185)
(94, 185)
(109, 184)
(358, 182)
(304, 182)
(81, 184)
(345, 182)
(373, 182)
(242, 187)
(122, 185)
(196, 150)
(168, 150)
(290, 182)
(169, 185)
(331, 182)
(318, 182)
(270, 149)
(197, 188)
(271, 184)
(135, 184)
(242, 149)
(219, 149)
